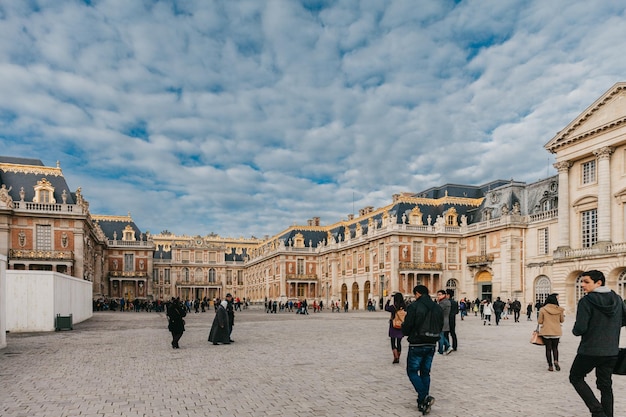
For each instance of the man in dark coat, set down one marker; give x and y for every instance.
(176, 324)
(230, 309)
(221, 328)
(600, 315)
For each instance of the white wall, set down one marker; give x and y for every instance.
(3, 310)
(34, 298)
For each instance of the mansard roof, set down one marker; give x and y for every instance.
(18, 173)
(607, 112)
(113, 226)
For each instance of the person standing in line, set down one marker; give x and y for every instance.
(231, 315)
(454, 310)
(220, 328)
(444, 341)
(395, 334)
(529, 311)
(550, 318)
(599, 317)
(345, 307)
(176, 325)
(421, 345)
(487, 311)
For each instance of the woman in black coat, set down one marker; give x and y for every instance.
(220, 330)
(175, 314)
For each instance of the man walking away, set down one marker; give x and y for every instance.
(599, 317)
(454, 310)
(422, 325)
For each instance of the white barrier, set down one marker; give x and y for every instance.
(34, 298)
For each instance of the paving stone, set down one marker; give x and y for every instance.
(325, 364)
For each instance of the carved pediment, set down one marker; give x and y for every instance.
(607, 112)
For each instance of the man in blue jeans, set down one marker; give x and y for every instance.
(599, 317)
(421, 315)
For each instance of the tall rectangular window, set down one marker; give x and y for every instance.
(300, 266)
(129, 262)
(589, 228)
(589, 172)
(452, 253)
(482, 245)
(229, 277)
(155, 276)
(417, 251)
(544, 243)
(44, 237)
(166, 275)
(239, 277)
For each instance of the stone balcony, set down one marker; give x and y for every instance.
(479, 260)
(420, 266)
(51, 255)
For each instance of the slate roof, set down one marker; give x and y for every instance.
(16, 180)
(114, 225)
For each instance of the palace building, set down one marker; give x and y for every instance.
(504, 238)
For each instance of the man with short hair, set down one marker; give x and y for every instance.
(444, 342)
(421, 345)
(498, 308)
(599, 317)
(454, 310)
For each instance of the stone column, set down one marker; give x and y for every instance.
(563, 169)
(604, 194)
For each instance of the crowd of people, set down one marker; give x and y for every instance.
(599, 317)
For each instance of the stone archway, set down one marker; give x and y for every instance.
(355, 296)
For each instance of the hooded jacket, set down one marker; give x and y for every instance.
(599, 318)
(550, 317)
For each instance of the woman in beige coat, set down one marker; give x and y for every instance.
(550, 318)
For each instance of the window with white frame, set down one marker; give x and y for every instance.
(580, 293)
(417, 251)
(589, 172)
(239, 277)
(44, 237)
(589, 228)
(482, 245)
(544, 243)
(300, 266)
(166, 275)
(621, 284)
(129, 262)
(542, 289)
(452, 253)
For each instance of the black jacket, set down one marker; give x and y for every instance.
(599, 318)
(415, 315)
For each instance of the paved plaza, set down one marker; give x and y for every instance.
(325, 364)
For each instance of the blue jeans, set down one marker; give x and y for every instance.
(444, 343)
(582, 365)
(418, 363)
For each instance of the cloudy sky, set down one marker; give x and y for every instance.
(244, 117)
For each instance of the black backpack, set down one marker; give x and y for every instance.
(430, 328)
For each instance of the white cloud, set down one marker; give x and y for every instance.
(244, 117)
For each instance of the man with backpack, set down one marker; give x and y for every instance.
(422, 326)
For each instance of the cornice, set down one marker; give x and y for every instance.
(31, 169)
(102, 217)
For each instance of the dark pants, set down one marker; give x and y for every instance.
(498, 315)
(453, 332)
(418, 363)
(396, 343)
(516, 315)
(552, 349)
(175, 338)
(582, 365)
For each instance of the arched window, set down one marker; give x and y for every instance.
(542, 289)
(212, 275)
(451, 284)
(186, 274)
(621, 284)
(198, 275)
(580, 293)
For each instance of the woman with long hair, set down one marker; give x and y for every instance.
(395, 334)
(550, 318)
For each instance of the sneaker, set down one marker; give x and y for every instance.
(448, 351)
(428, 402)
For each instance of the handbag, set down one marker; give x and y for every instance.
(535, 337)
(620, 365)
